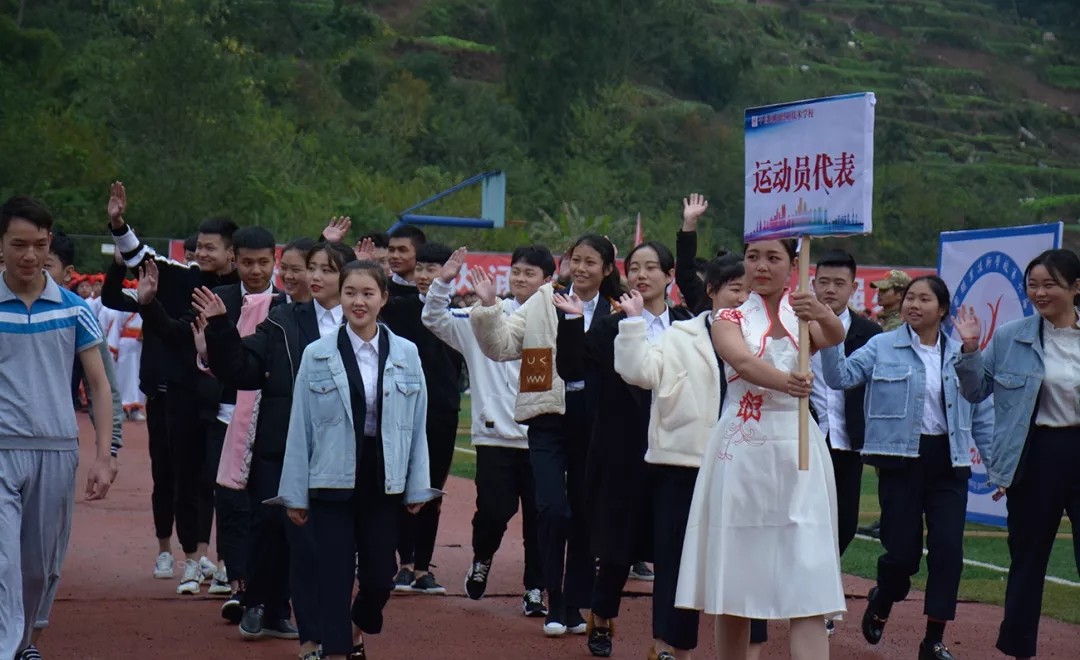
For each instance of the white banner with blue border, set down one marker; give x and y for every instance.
(984, 268)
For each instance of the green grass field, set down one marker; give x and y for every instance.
(982, 543)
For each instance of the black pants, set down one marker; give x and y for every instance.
(673, 490)
(353, 538)
(417, 533)
(930, 486)
(1046, 485)
(608, 586)
(231, 507)
(161, 469)
(76, 380)
(558, 446)
(503, 477)
(847, 469)
(193, 496)
(268, 546)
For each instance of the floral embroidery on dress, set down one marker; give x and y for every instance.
(729, 314)
(749, 411)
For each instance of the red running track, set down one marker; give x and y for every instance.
(109, 606)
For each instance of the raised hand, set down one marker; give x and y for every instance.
(117, 204)
(198, 331)
(364, 250)
(453, 265)
(693, 207)
(632, 303)
(148, 282)
(807, 307)
(483, 286)
(800, 385)
(569, 304)
(338, 228)
(968, 327)
(207, 303)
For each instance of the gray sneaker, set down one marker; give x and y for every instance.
(403, 580)
(427, 584)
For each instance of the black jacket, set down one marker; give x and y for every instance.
(114, 296)
(859, 333)
(690, 285)
(266, 360)
(442, 365)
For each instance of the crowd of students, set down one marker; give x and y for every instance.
(316, 424)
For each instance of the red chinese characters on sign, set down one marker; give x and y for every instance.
(818, 172)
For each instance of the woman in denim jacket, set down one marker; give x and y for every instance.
(1032, 367)
(921, 435)
(356, 453)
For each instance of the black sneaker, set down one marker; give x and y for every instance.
(427, 584)
(404, 579)
(280, 629)
(641, 571)
(873, 530)
(476, 579)
(232, 611)
(575, 624)
(251, 624)
(533, 604)
(358, 652)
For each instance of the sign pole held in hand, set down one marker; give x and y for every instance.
(809, 172)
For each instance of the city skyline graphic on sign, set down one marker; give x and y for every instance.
(804, 220)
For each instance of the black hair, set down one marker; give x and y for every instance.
(701, 266)
(339, 254)
(611, 285)
(535, 255)
(27, 208)
(368, 268)
(223, 227)
(839, 259)
(667, 260)
(722, 270)
(253, 238)
(63, 247)
(433, 253)
(791, 246)
(1063, 266)
(302, 245)
(191, 242)
(411, 232)
(937, 285)
(379, 238)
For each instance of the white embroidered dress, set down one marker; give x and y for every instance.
(761, 539)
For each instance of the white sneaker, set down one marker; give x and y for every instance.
(189, 584)
(219, 586)
(163, 566)
(207, 569)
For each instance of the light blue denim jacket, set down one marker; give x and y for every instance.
(895, 392)
(320, 451)
(1011, 368)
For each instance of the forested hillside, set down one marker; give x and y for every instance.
(284, 112)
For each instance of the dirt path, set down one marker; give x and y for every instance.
(110, 607)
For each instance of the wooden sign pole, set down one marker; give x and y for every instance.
(804, 357)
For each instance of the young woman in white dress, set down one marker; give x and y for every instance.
(761, 538)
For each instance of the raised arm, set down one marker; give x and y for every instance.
(500, 336)
(975, 369)
(133, 250)
(453, 329)
(113, 293)
(690, 285)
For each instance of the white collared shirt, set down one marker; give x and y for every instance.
(398, 279)
(934, 421)
(1059, 398)
(367, 358)
(829, 403)
(655, 325)
(329, 319)
(588, 312)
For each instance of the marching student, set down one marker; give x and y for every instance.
(503, 473)
(192, 402)
(920, 435)
(356, 453)
(687, 380)
(840, 413)
(39, 435)
(1032, 367)
(557, 416)
(292, 267)
(282, 555)
(442, 375)
(744, 523)
(401, 257)
(617, 477)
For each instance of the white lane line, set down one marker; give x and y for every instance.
(990, 567)
(471, 452)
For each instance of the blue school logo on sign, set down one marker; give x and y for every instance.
(989, 264)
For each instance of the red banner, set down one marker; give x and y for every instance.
(497, 265)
